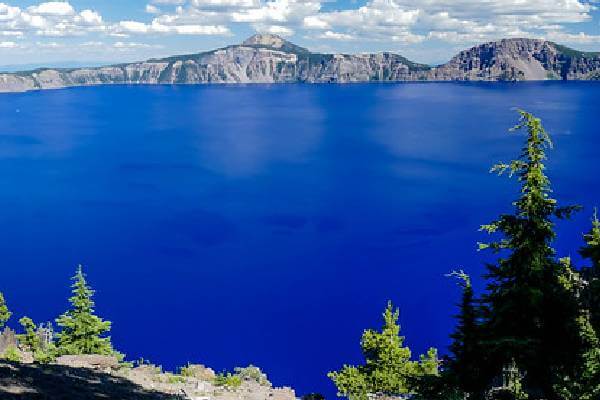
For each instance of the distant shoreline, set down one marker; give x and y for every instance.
(269, 59)
(262, 84)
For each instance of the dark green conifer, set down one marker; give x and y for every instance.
(529, 314)
(464, 365)
(591, 251)
(82, 332)
(583, 383)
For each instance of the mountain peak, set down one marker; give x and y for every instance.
(266, 39)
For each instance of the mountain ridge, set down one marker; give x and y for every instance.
(265, 58)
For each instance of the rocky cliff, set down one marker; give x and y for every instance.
(271, 59)
(519, 60)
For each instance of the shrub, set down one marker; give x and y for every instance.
(12, 354)
(228, 380)
(173, 379)
(5, 314)
(252, 373)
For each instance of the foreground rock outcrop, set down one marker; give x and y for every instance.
(97, 377)
(271, 59)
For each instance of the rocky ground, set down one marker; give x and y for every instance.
(99, 377)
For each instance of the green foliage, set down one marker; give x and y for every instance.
(528, 313)
(388, 368)
(175, 379)
(240, 375)
(436, 387)
(5, 314)
(82, 331)
(591, 251)
(12, 354)
(187, 371)
(30, 339)
(32, 342)
(351, 382)
(228, 380)
(514, 384)
(584, 382)
(252, 373)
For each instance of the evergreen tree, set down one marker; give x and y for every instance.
(5, 314)
(584, 382)
(30, 339)
(591, 251)
(388, 368)
(529, 315)
(464, 365)
(81, 330)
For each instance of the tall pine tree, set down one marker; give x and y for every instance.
(82, 332)
(529, 315)
(464, 365)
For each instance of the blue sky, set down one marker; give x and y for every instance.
(431, 31)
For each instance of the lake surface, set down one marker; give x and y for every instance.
(230, 225)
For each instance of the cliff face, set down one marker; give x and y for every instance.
(271, 59)
(519, 60)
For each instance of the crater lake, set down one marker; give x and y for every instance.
(269, 224)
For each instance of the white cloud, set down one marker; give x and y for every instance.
(156, 27)
(224, 3)
(371, 23)
(450, 20)
(274, 29)
(572, 38)
(152, 9)
(198, 30)
(169, 2)
(11, 33)
(382, 20)
(90, 17)
(316, 22)
(50, 45)
(335, 36)
(59, 8)
(131, 45)
(8, 45)
(134, 27)
(56, 19)
(8, 13)
(278, 11)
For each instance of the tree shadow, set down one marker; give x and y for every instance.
(56, 382)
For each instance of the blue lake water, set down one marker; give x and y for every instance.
(231, 225)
